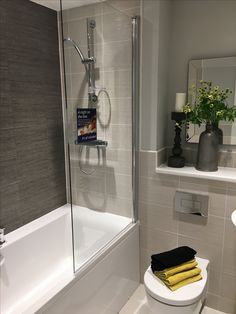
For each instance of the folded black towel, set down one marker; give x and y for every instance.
(172, 258)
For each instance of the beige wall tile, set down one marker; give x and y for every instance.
(80, 86)
(231, 186)
(102, 121)
(89, 159)
(229, 258)
(227, 305)
(229, 249)
(116, 27)
(118, 111)
(119, 206)
(158, 216)
(161, 156)
(89, 199)
(77, 30)
(228, 287)
(119, 161)
(103, 202)
(147, 164)
(136, 11)
(119, 185)
(117, 55)
(156, 240)
(120, 5)
(94, 182)
(226, 159)
(157, 191)
(230, 202)
(118, 83)
(212, 301)
(119, 136)
(217, 202)
(214, 281)
(234, 160)
(204, 250)
(201, 184)
(209, 231)
(145, 260)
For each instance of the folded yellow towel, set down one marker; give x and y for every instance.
(165, 273)
(185, 282)
(172, 280)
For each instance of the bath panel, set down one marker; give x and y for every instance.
(107, 285)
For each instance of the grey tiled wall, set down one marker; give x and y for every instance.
(32, 176)
(162, 229)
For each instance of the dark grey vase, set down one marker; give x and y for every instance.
(219, 132)
(207, 155)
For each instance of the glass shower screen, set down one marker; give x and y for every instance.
(100, 131)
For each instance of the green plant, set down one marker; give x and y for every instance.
(210, 106)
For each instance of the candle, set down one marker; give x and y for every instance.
(180, 100)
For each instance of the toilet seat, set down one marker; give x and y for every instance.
(184, 296)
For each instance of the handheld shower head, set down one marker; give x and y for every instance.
(85, 61)
(68, 39)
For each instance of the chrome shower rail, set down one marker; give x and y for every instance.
(135, 112)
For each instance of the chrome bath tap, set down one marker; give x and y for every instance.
(2, 240)
(2, 236)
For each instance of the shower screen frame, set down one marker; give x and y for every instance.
(135, 96)
(135, 111)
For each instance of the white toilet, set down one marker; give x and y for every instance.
(186, 300)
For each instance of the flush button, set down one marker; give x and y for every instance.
(191, 203)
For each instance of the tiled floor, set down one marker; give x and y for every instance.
(137, 304)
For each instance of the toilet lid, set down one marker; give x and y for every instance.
(183, 296)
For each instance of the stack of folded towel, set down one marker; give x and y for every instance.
(176, 268)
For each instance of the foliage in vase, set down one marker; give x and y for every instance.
(210, 106)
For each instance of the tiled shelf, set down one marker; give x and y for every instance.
(223, 174)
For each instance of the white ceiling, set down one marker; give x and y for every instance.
(66, 4)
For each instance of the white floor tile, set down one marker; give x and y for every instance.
(137, 304)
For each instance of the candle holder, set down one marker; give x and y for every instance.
(176, 160)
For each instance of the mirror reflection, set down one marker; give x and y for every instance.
(221, 72)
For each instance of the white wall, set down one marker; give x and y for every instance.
(174, 32)
(200, 29)
(154, 59)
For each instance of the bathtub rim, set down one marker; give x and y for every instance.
(36, 224)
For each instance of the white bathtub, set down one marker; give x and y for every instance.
(37, 273)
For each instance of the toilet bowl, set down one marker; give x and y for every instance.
(186, 300)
